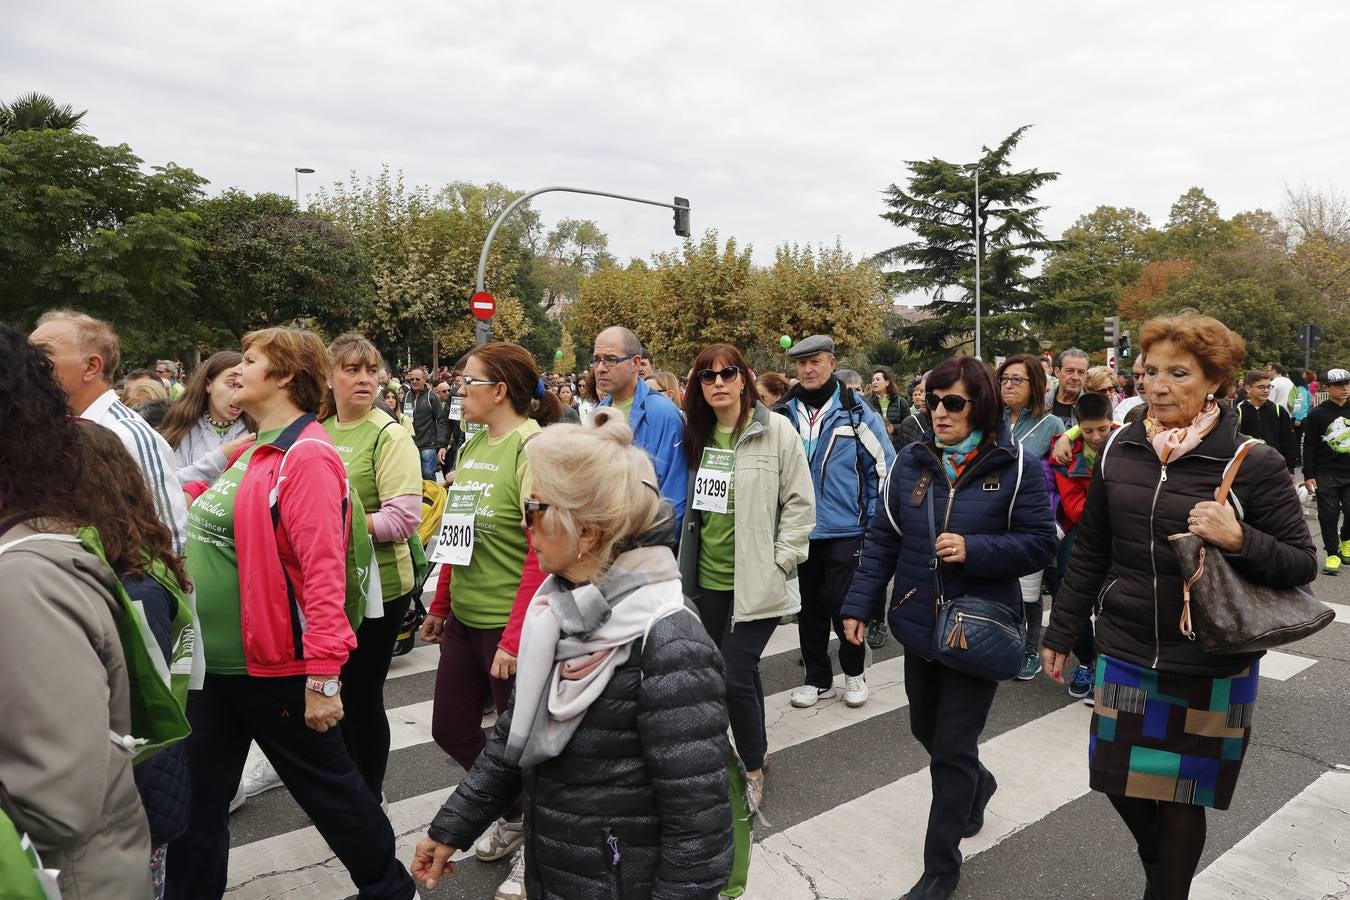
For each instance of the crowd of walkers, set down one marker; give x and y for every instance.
(617, 550)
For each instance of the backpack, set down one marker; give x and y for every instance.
(364, 596)
(22, 876)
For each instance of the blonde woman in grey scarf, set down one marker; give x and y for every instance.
(617, 733)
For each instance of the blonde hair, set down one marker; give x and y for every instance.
(596, 480)
(1099, 378)
(93, 337)
(143, 390)
(345, 350)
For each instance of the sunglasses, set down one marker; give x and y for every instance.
(953, 402)
(534, 511)
(709, 376)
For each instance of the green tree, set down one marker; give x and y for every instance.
(264, 263)
(1194, 228)
(37, 112)
(84, 224)
(939, 208)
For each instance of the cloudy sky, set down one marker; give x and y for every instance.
(781, 122)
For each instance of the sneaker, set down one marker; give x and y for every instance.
(1333, 566)
(259, 779)
(1345, 549)
(877, 634)
(754, 791)
(238, 799)
(1081, 684)
(855, 690)
(808, 694)
(513, 888)
(500, 839)
(1031, 667)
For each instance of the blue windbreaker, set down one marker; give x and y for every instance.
(658, 428)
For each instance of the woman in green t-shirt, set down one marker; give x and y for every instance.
(476, 600)
(735, 564)
(385, 473)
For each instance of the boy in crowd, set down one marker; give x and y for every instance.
(1326, 466)
(1093, 412)
(1261, 418)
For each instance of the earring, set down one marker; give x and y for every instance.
(1209, 396)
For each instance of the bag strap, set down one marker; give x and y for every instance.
(1231, 474)
(934, 564)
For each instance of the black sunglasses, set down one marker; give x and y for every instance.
(708, 376)
(534, 510)
(954, 402)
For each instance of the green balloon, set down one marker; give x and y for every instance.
(785, 342)
(557, 354)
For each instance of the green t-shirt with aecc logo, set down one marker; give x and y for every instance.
(717, 537)
(382, 462)
(483, 592)
(213, 566)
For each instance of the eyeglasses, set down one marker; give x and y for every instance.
(1014, 380)
(534, 510)
(470, 381)
(610, 362)
(709, 376)
(953, 402)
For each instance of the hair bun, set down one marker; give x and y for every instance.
(610, 423)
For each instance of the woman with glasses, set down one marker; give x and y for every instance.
(617, 735)
(744, 533)
(1029, 420)
(476, 597)
(990, 526)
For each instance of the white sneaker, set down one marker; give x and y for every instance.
(500, 839)
(808, 694)
(513, 888)
(238, 799)
(855, 690)
(262, 777)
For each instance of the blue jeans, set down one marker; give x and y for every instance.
(429, 464)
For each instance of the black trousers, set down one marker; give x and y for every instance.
(741, 646)
(365, 725)
(824, 580)
(947, 711)
(225, 715)
(1333, 513)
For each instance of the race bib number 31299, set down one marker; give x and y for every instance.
(712, 481)
(454, 540)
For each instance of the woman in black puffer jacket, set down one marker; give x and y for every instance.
(991, 525)
(1172, 722)
(886, 400)
(621, 759)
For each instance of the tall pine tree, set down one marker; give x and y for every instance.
(939, 209)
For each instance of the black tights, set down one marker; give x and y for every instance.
(1171, 837)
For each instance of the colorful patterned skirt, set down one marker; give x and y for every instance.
(1165, 736)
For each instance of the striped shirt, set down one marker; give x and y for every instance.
(151, 452)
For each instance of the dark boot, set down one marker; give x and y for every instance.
(934, 887)
(983, 791)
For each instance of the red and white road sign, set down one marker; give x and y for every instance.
(483, 305)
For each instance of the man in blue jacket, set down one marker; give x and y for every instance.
(658, 427)
(850, 453)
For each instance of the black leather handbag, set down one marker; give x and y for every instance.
(1227, 613)
(972, 635)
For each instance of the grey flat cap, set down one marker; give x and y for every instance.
(816, 343)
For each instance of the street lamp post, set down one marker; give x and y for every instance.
(975, 167)
(483, 330)
(300, 170)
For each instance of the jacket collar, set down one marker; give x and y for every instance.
(926, 454)
(292, 432)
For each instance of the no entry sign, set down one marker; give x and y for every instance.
(483, 305)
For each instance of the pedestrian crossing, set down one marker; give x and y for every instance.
(849, 792)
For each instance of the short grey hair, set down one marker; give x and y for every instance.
(849, 377)
(1072, 353)
(627, 340)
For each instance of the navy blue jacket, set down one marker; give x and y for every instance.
(1001, 509)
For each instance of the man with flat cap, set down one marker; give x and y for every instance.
(846, 443)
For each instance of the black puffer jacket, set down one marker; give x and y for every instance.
(1123, 564)
(912, 428)
(638, 805)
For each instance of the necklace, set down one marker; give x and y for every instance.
(222, 428)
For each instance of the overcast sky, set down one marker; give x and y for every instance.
(780, 122)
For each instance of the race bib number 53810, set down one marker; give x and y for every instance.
(454, 540)
(712, 481)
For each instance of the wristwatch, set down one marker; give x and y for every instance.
(328, 688)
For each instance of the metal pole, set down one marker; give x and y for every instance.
(483, 330)
(1307, 347)
(977, 262)
(297, 188)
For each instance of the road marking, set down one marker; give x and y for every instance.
(1298, 852)
(422, 658)
(788, 726)
(1342, 611)
(1282, 666)
(810, 860)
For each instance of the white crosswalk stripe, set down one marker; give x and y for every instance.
(807, 859)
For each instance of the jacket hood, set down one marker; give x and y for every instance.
(70, 555)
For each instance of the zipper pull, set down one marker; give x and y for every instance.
(613, 842)
(1164, 473)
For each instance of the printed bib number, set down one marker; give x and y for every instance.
(457, 408)
(454, 540)
(712, 481)
(472, 428)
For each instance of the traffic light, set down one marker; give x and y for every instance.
(1112, 330)
(682, 217)
(1124, 345)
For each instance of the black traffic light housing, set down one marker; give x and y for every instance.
(682, 217)
(1124, 345)
(1112, 332)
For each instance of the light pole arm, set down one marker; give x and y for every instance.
(501, 217)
